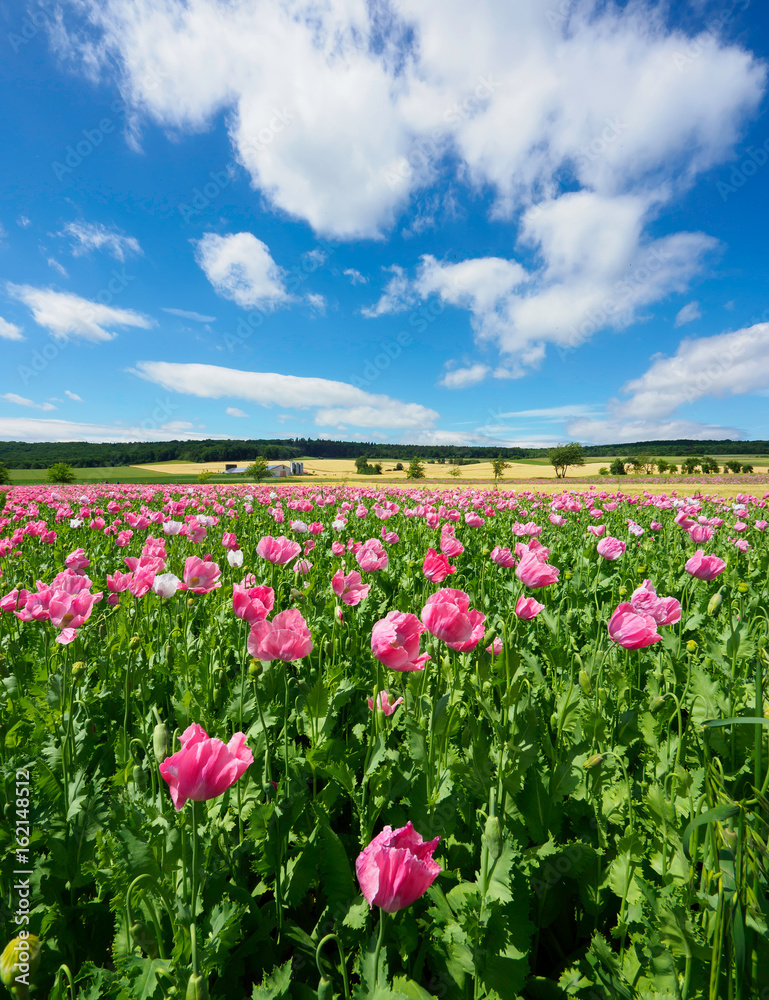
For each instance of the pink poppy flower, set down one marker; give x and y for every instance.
(201, 577)
(230, 541)
(141, 581)
(278, 550)
(395, 641)
(449, 617)
(503, 557)
(704, 567)
(496, 647)
(372, 556)
(77, 560)
(437, 567)
(252, 604)
(204, 768)
(527, 608)
(450, 545)
(396, 868)
(664, 610)
(383, 703)
(349, 589)
(337, 548)
(71, 610)
(701, 533)
(535, 573)
(632, 630)
(286, 637)
(596, 529)
(610, 548)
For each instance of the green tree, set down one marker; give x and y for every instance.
(5, 476)
(617, 468)
(565, 455)
(258, 469)
(690, 465)
(361, 464)
(498, 466)
(415, 470)
(455, 471)
(662, 465)
(672, 469)
(204, 476)
(399, 466)
(733, 466)
(747, 469)
(603, 471)
(60, 472)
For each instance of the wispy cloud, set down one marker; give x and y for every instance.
(89, 236)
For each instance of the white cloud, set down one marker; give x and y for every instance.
(88, 236)
(52, 262)
(625, 431)
(317, 302)
(479, 438)
(551, 412)
(397, 296)
(688, 314)
(728, 364)
(461, 378)
(73, 395)
(355, 276)
(233, 411)
(196, 317)
(735, 363)
(240, 268)
(9, 331)
(23, 221)
(335, 403)
(70, 317)
(41, 429)
(11, 397)
(592, 271)
(341, 112)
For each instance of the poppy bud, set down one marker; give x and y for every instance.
(160, 742)
(325, 989)
(584, 683)
(196, 988)
(593, 761)
(140, 778)
(492, 837)
(743, 587)
(656, 704)
(77, 667)
(691, 646)
(715, 603)
(20, 958)
(134, 642)
(254, 668)
(144, 938)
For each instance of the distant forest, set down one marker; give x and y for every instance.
(40, 455)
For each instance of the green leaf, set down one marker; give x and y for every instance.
(275, 985)
(336, 876)
(717, 815)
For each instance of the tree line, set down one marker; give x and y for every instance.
(81, 454)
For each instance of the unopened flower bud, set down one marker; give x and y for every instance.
(134, 642)
(715, 603)
(19, 962)
(584, 683)
(691, 646)
(160, 742)
(492, 837)
(197, 989)
(144, 938)
(78, 667)
(254, 668)
(743, 587)
(593, 761)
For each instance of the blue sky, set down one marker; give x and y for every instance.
(514, 222)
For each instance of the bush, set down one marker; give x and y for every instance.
(5, 476)
(617, 468)
(60, 472)
(415, 469)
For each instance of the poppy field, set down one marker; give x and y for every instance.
(266, 742)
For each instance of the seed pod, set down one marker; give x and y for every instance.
(691, 646)
(134, 642)
(622, 591)
(715, 603)
(492, 837)
(254, 668)
(584, 683)
(568, 575)
(743, 587)
(197, 989)
(160, 742)
(594, 761)
(142, 936)
(77, 667)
